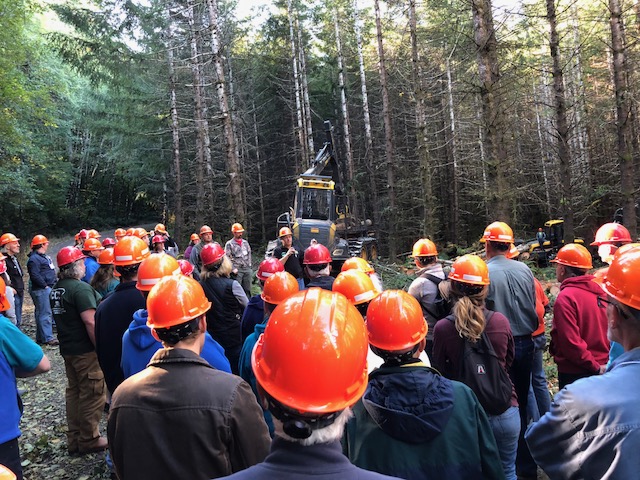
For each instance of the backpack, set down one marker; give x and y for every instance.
(441, 306)
(481, 371)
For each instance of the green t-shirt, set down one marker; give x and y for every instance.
(70, 297)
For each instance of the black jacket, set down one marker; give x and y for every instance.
(113, 316)
(181, 418)
(224, 317)
(14, 270)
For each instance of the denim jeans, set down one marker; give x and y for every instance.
(10, 457)
(539, 400)
(520, 374)
(506, 429)
(18, 299)
(44, 317)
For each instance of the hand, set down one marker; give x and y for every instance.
(292, 251)
(235, 271)
(602, 369)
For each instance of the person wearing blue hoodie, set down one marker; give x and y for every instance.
(138, 345)
(277, 288)
(412, 422)
(254, 313)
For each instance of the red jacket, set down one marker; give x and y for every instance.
(579, 341)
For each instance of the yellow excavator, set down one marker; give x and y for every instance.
(552, 242)
(321, 211)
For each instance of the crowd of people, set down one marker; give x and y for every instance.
(322, 377)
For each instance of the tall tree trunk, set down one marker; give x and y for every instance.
(256, 141)
(388, 138)
(454, 156)
(236, 199)
(544, 156)
(346, 128)
(301, 131)
(562, 126)
(373, 194)
(492, 116)
(624, 115)
(175, 137)
(203, 150)
(305, 92)
(428, 200)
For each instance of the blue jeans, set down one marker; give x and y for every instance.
(18, 305)
(520, 374)
(539, 401)
(301, 283)
(506, 429)
(44, 317)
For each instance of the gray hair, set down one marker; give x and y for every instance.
(72, 270)
(327, 434)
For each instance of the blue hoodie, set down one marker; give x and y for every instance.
(246, 372)
(252, 316)
(138, 346)
(91, 267)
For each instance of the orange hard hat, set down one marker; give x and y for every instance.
(8, 238)
(279, 287)
(312, 356)
(316, 254)
(513, 251)
(39, 240)
(186, 267)
(108, 242)
(194, 237)
(625, 248)
(6, 474)
(395, 321)
(574, 255)
(174, 300)
(498, 232)
(268, 267)
(106, 257)
(236, 228)
(621, 280)
(357, 263)
(154, 268)
(424, 248)
(284, 231)
(93, 234)
(129, 251)
(612, 233)
(130, 232)
(205, 229)
(140, 232)
(119, 233)
(160, 228)
(92, 244)
(357, 286)
(470, 269)
(68, 255)
(211, 253)
(4, 301)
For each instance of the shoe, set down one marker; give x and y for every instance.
(53, 343)
(98, 445)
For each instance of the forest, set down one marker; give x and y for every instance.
(448, 114)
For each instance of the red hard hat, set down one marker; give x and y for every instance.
(8, 238)
(268, 267)
(174, 300)
(83, 234)
(153, 269)
(622, 278)
(357, 286)
(205, 229)
(68, 255)
(470, 269)
(279, 287)
(185, 267)
(211, 253)
(395, 321)
(612, 233)
(108, 242)
(424, 248)
(92, 244)
(129, 251)
(106, 257)
(498, 232)
(316, 254)
(39, 240)
(574, 255)
(357, 263)
(312, 356)
(158, 239)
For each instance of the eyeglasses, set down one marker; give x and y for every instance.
(603, 302)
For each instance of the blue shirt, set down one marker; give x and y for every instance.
(91, 267)
(17, 351)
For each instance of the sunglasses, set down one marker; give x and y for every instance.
(603, 302)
